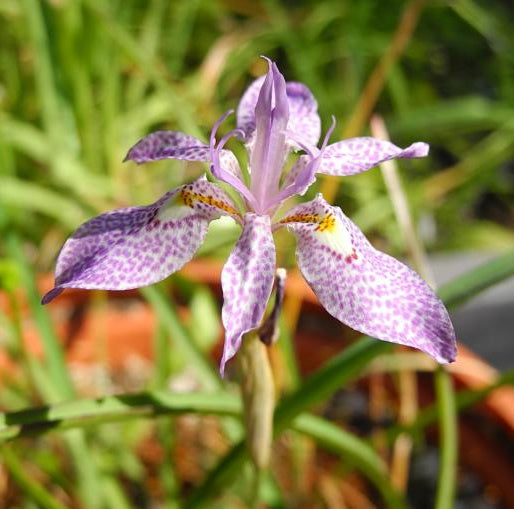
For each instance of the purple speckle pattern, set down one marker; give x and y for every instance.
(362, 287)
(168, 145)
(303, 113)
(138, 246)
(230, 164)
(245, 115)
(247, 281)
(292, 176)
(304, 120)
(367, 289)
(356, 155)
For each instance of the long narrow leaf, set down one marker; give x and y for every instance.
(27, 484)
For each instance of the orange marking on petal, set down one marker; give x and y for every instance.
(189, 198)
(300, 218)
(328, 223)
(325, 223)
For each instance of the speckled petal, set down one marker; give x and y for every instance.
(137, 246)
(304, 120)
(230, 164)
(247, 280)
(365, 288)
(245, 114)
(168, 145)
(356, 155)
(297, 170)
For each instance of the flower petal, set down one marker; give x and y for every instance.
(356, 155)
(304, 120)
(229, 163)
(137, 246)
(247, 280)
(168, 145)
(245, 115)
(365, 288)
(268, 148)
(293, 179)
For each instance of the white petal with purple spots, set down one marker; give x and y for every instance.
(230, 164)
(138, 246)
(356, 155)
(247, 280)
(304, 120)
(365, 288)
(168, 145)
(245, 114)
(292, 176)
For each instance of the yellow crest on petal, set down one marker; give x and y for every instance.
(329, 230)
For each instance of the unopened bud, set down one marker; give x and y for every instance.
(258, 393)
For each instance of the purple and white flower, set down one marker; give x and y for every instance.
(360, 286)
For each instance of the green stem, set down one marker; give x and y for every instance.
(463, 399)
(340, 370)
(448, 439)
(258, 395)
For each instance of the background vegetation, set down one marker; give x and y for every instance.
(82, 80)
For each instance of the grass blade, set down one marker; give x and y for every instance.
(34, 490)
(171, 322)
(54, 355)
(353, 449)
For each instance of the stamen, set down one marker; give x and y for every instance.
(328, 134)
(215, 127)
(312, 150)
(230, 134)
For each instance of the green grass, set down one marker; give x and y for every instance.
(82, 80)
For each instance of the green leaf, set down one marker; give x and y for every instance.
(36, 198)
(26, 483)
(353, 450)
(54, 355)
(86, 412)
(170, 320)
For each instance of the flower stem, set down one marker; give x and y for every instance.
(258, 392)
(445, 496)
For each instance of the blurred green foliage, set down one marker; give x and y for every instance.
(83, 80)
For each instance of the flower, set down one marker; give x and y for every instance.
(360, 286)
